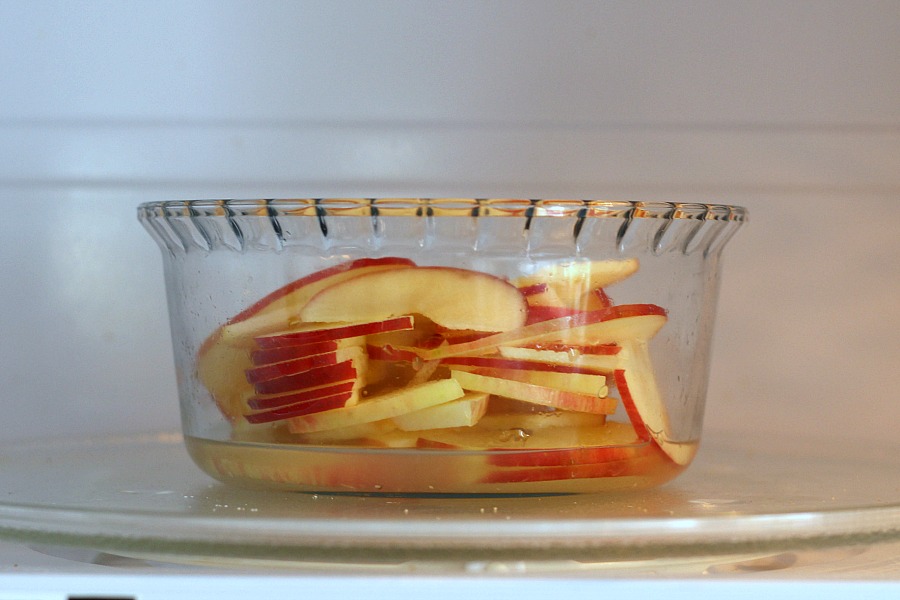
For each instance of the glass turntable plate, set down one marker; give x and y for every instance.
(142, 496)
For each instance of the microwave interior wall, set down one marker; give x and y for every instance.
(788, 108)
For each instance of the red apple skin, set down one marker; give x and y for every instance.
(270, 402)
(299, 338)
(340, 372)
(300, 409)
(534, 289)
(592, 349)
(615, 468)
(492, 362)
(314, 277)
(640, 428)
(601, 298)
(552, 457)
(284, 353)
(529, 333)
(290, 367)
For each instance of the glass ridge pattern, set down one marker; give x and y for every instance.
(569, 226)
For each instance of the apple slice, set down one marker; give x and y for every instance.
(465, 412)
(535, 394)
(632, 466)
(339, 372)
(607, 326)
(452, 298)
(644, 404)
(310, 333)
(531, 437)
(300, 365)
(572, 280)
(279, 309)
(305, 407)
(597, 363)
(285, 353)
(530, 422)
(469, 363)
(350, 434)
(384, 406)
(578, 383)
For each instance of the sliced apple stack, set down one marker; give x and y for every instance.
(386, 353)
(226, 355)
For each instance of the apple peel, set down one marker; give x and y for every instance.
(644, 405)
(383, 406)
(535, 394)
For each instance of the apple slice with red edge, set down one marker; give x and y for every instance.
(633, 467)
(465, 412)
(643, 402)
(297, 409)
(310, 333)
(278, 309)
(382, 406)
(536, 394)
(318, 376)
(600, 363)
(577, 383)
(572, 280)
(268, 402)
(604, 326)
(468, 363)
(451, 298)
(299, 365)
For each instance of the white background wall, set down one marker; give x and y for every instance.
(790, 108)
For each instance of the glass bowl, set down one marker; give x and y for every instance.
(442, 346)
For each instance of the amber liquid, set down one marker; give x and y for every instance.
(349, 469)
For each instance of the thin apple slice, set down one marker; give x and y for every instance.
(535, 394)
(309, 333)
(384, 406)
(350, 434)
(572, 280)
(285, 353)
(469, 363)
(530, 422)
(465, 412)
(279, 309)
(613, 441)
(578, 383)
(589, 362)
(591, 349)
(531, 437)
(336, 373)
(300, 365)
(628, 467)
(306, 407)
(452, 298)
(644, 405)
(269, 402)
(605, 326)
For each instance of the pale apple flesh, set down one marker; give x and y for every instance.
(492, 304)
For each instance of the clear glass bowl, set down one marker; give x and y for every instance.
(442, 346)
